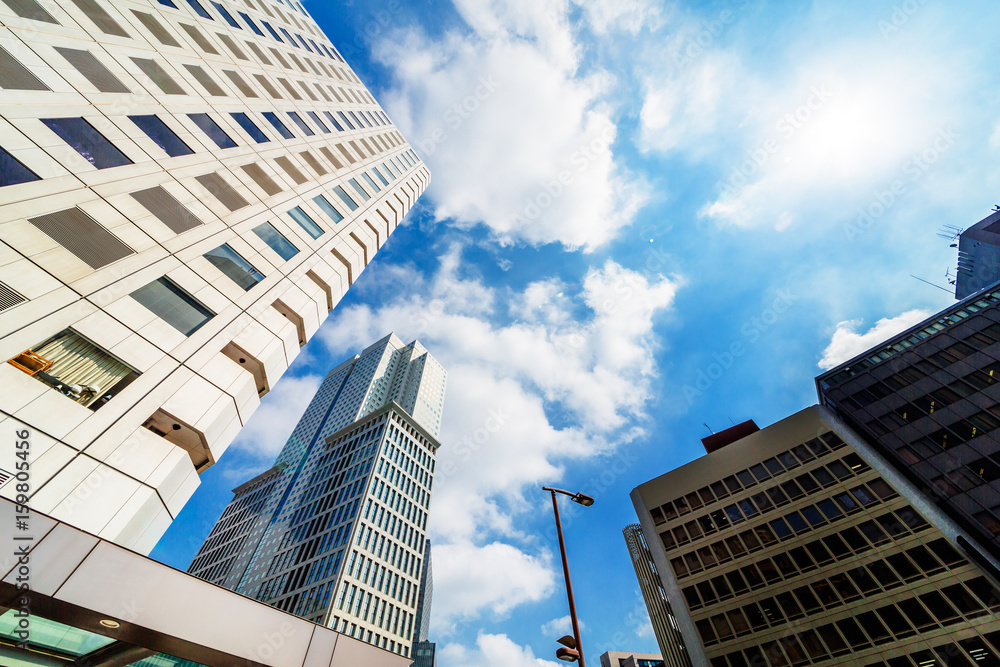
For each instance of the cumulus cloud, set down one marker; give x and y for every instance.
(846, 343)
(516, 137)
(558, 627)
(492, 651)
(530, 387)
(269, 427)
(837, 125)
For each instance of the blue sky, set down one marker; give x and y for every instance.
(644, 217)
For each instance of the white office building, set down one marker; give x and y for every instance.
(187, 189)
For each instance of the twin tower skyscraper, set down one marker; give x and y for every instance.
(335, 531)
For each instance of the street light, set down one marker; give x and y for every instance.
(571, 650)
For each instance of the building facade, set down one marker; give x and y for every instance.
(626, 659)
(929, 401)
(93, 602)
(424, 650)
(335, 531)
(187, 189)
(668, 636)
(800, 544)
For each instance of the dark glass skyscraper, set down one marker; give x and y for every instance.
(929, 401)
(335, 531)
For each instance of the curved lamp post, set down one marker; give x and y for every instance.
(571, 650)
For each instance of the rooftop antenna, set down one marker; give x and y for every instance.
(708, 427)
(949, 232)
(931, 284)
(731, 420)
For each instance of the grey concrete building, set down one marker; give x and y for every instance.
(801, 544)
(626, 659)
(668, 636)
(187, 189)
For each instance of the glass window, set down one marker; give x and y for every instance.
(162, 135)
(368, 179)
(199, 10)
(853, 633)
(361, 191)
(212, 129)
(173, 305)
(87, 141)
(249, 22)
(346, 198)
(227, 16)
(333, 120)
(276, 240)
(12, 172)
(917, 615)
(48, 634)
(234, 266)
(305, 222)
(347, 122)
(319, 123)
(833, 639)
(385, 182)
(249, 127)
(297, 119)
(271, 30)
(272, 118)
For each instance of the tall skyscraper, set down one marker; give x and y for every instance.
(800, 544)
(978, 256)
(189, 187)
(335, 531)
(668, 636)
(929, 401)
(424, 650)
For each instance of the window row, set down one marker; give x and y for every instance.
(772, 467)
(199, 9)
(916, 563)
(838, 639)
(758, 504)
(860, 538)
(942, 323)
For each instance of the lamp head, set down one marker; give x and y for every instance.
(568, 654)
(583, 499)
(568, 641)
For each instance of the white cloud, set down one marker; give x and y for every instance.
(585, 357)
(280, 409)
(558, 627)
(516, 138)
(811, 128)
(492, 651)
(628, 15)
(496, 577)
(846, 343)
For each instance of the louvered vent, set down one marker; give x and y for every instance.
(261, 178)
(313, 162)
(93, 70)
(29, 9)
(224, 192)
(156, 28)
(167, 209)
(292, 170)
(83, 236)
(8, 299)
(15, 76)
(205, 80)
(154, 71)
(100, 17)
